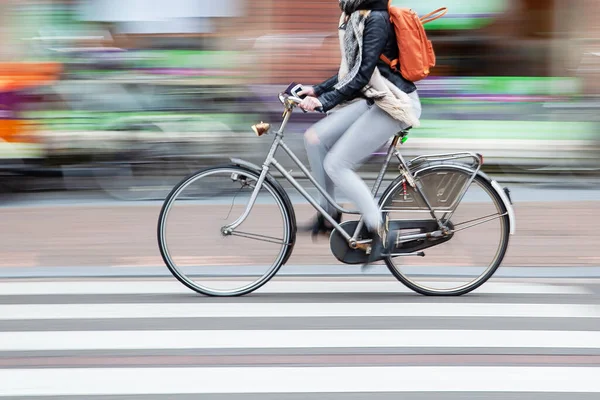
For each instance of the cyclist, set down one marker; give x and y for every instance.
(372, 103)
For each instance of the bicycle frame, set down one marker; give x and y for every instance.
(391, 152)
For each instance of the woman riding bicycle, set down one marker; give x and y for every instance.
(381, 103)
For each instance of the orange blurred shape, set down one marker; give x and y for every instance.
(22, 75)
(16, 131)
(15, 76)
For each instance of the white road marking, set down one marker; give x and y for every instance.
(294, 310)
(156, 381)
(254, 339)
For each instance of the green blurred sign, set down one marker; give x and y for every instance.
(503, 85)
(210, 59)
(462, 14)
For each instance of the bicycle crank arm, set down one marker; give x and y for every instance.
(419, 236)
(419, 254)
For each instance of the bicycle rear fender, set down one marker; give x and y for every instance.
(502, 193)
(287, 203)
(497, 188)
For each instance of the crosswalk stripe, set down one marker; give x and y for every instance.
(150, 381)
(89, 347)
(255, 339)
(173, 287)
(277, 310)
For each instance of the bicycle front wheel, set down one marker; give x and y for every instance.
(210, 260)
(477, 216)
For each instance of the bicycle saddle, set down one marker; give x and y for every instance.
(404, 132)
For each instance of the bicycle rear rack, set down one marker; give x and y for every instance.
(476, 157)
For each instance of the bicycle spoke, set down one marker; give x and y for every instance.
(490, 217)
(258, 237)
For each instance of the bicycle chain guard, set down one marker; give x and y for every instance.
(347, 255)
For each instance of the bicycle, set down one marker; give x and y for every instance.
(433, 185)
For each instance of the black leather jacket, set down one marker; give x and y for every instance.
(378, 38)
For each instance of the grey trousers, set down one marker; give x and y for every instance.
(339, 143)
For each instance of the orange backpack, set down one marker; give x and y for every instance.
(415, 50)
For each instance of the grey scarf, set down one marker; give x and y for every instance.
(355, 14)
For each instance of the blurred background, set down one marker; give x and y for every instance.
(117, 101)
(123, 100)
(105, 105)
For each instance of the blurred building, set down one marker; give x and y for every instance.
(525, 38)
(279, 41)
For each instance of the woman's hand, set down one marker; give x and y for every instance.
(308, 91)
(310, 103)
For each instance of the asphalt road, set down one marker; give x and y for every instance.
(298, 338)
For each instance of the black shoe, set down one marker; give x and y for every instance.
(380, 243)
(321, 226)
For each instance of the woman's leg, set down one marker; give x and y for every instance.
(321, 137)
(368, 134)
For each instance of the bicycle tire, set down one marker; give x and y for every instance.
(485, 183)
(272, 187)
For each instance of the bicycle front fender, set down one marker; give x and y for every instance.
(284, 196)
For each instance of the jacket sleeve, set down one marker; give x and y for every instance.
(375, 37)
(326, 85)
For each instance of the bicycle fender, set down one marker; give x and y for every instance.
(507, 204)
(505, 199)
(286, 201)
(495, 185)
(243, 163)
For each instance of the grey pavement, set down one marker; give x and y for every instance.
(298, 338)
(57, 235)
(555, 272)
(344, 396)
(542, 191)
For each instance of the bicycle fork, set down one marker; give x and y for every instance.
(228, 229)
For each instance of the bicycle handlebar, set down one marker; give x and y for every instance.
(297, 100)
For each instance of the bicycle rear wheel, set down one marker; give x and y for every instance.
(474, 251)
(212, 262)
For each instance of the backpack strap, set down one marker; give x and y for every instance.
(432, 15)
(392, 63)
